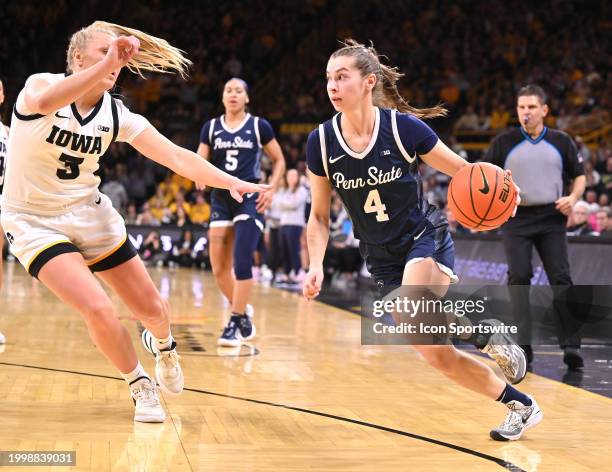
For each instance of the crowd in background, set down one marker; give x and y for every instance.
(472, 56)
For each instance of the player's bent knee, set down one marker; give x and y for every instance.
(99, 312)
(154, 310)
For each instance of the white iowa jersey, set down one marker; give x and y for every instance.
(52, 158)
(3, 146)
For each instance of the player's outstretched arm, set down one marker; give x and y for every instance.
(44, 98)
(443, 159)
(317, 233)
(152, 144)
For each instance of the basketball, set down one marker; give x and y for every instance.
(481, 196)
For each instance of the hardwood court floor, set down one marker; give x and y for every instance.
(305, 395)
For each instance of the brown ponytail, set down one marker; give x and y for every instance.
(385, 93)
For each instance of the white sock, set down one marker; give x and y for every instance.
(161, 344)
(135, 374)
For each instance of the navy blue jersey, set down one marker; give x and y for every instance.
(237, 151)
(381, 186)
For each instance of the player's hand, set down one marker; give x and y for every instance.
(518, 194)
(312, 283)
(264, 200)
(565, 204)
(121, 50)
(240, 187)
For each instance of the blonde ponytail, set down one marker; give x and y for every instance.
(155, 54)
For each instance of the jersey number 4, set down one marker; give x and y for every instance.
(231, 161)
(71, 167)
(374, 204)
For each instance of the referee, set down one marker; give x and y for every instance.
(544, 164)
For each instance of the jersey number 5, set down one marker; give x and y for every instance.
(374, 204)
(231, 161)
(71, 167)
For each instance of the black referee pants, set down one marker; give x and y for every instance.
(541, 226)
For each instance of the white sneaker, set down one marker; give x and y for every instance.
(2, 338)
(168, 370)
(266, 274)
(519, 419)
(509, 356)
(148, 407)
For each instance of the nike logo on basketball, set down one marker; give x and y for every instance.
(217, 132)
(484, 189)
(420, 234)
(57, 113)
(335, 159)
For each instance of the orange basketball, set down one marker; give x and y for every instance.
(481, 196)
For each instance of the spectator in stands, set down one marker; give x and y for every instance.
(151, 251)
(272, 235)
(179, 203)
(484, 120)
(467, 121)
(180, 218)
(292, 221)
(145, 217)
(169, 188)
(500, 117)
(580, 225)
(131, 215)
(606, 177)
(343, 259)
(604, 223)
(200, 210)
(114, 190)
(183, 253)
(593, 179)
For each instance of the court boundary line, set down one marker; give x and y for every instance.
(502, 463)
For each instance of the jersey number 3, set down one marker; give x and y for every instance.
(71, 167)
(231, 161)
(374, 204)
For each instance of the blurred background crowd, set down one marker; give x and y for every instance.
(470, 56)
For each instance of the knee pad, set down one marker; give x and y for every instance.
(247, 235)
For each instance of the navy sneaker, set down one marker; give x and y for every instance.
(246, 328)
(229, 337)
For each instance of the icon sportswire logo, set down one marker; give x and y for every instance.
(336, 159)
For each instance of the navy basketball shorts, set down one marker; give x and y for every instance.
(225, 211)
(386, 263)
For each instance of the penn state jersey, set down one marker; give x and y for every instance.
(237, 151)
(380, 187)
(52, 158)
(3, 146)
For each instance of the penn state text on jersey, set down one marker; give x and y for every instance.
(380, 187)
